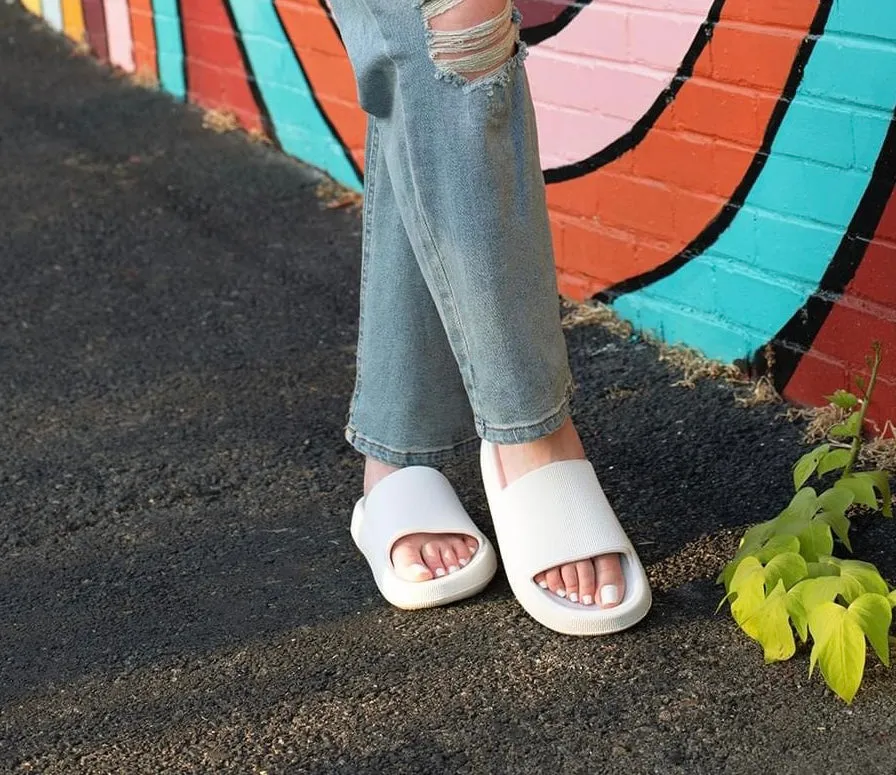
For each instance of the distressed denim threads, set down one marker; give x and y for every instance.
(459, 334)
(478, 49)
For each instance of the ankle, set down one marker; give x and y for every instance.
(374, 472)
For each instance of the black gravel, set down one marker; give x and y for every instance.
(178, 590)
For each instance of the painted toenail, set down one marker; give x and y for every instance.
(440, 572)
(453, 568)
(543, 584)
(573, 597)
(560, 593)
(419, 570)
(609, 594)
(587, 600)
(463, 562)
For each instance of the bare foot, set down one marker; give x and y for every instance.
(595, 580)
(422, 556)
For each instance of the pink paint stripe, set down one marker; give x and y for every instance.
(606, 68)
(118, 31)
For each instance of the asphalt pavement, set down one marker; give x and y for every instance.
(178, 589)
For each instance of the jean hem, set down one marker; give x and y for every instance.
(403, 458)
(523, 433)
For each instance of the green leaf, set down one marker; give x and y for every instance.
(881, 481)
(836, 458)
(806, 465)
(836, 500)
(748, 583)
(843, 398)
(851, 589)
(813, 592)
(794, 519)
(773, 546)
(788, 568)
(756, 536)
(861, 487)
(770, 625)
(820, 569)
(839, 649)
(777, 545)
(816, 541)
(892, 598)
(873, 614)
(848, 429)
(802, 505)
(799, 616)
(866, 574)
(839, 522)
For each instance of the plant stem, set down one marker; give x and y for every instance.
(857, 439)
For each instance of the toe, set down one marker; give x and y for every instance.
(555, 582)
(461, 550)
(432, 556)
(610, 581)
(450, 561)
(541, 580)
(587, 581)
(570, 582)
(408, 563)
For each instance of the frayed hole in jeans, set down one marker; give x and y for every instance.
(470, 39)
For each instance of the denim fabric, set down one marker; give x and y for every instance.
(460, 332)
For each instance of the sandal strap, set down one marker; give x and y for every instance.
(416, 499)
(555, 515)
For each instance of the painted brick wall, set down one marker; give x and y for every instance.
(720, 171)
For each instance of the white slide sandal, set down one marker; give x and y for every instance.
(418, 499)
(552, 516)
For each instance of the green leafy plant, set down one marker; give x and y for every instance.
(785, 582)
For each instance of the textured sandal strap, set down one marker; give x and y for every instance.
(417, 499)
(555, 515)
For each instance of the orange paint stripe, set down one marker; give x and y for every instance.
(144, 35)
(323, 59)
(692, 159)
(73, 19)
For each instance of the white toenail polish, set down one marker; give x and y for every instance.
(609, 593)
(587, 600)
(440, 572)
(561, 593)
(573, 597)
(543, 584)
(453, 569)
(463, 562)
(419, 570)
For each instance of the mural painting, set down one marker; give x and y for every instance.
(719, 171)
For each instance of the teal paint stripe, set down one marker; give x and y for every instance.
(301, 129)
(52, 10)
(772, 257)
(169, 47)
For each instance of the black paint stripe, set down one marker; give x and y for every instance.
(722, 221)
(798, 334)
(183, 47)
(267, 124)
(644, 124)
(535, 35)
(323, 114)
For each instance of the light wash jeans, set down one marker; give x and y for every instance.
(460, 333)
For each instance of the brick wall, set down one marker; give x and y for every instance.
(720, 171)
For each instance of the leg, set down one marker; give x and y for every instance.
(458, 137)
(409, 406)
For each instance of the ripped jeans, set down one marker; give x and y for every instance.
(460, 333)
